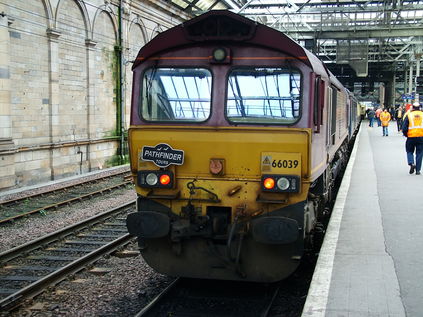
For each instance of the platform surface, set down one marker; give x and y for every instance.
(371, 262)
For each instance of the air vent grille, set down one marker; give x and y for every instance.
(219, 27)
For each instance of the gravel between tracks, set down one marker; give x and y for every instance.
(27, 229)
(122, 292)
(128, 286)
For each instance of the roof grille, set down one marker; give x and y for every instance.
(219, 26)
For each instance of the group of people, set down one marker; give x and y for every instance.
(383, 117)
(411, 125)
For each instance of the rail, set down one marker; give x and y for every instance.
(24, 206)
(94, 237)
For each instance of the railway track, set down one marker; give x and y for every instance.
(27, 270)
(209, 298)
(40, 203)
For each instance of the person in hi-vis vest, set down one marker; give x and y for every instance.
(412, 128)
(385, 117)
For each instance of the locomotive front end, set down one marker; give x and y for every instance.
(217, 203)
(220, 147)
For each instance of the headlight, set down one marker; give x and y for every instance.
(283, 183)
(219, 54)
(151, 179)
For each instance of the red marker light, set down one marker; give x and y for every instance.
(164, 179)
(269, 183)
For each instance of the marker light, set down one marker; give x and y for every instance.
(269, 183)
(164, 179)
(151, 179)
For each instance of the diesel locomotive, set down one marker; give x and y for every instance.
(237, 136)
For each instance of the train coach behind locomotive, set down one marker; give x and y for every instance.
(237, 134)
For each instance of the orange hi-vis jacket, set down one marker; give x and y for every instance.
(415, 124)
(385, 117)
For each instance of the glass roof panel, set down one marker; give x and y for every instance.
(180, 3)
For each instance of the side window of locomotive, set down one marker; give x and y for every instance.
(176, 94)
(264, 95)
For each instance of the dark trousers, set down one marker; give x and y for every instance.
(385, 131)
(399, 123)
(411, 145)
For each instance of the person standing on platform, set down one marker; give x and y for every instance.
(412, 128)
(399, 113)
(392, 113)
(371, 116)
(385, 117)
(377, 113)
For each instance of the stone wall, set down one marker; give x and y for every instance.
(59, 82)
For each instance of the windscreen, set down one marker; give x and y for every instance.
(176, 94)
(264, 95)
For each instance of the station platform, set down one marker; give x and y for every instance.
(371, 261)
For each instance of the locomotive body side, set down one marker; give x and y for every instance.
(235, 142)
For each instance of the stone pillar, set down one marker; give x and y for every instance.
(7, 157)
(53, 36)
(5, 100)
(389, 90)
(91, 113)
(126, 12)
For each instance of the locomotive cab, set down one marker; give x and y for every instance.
(227, 140)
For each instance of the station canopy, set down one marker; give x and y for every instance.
(356, 39)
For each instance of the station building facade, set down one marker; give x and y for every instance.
(65, 83)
